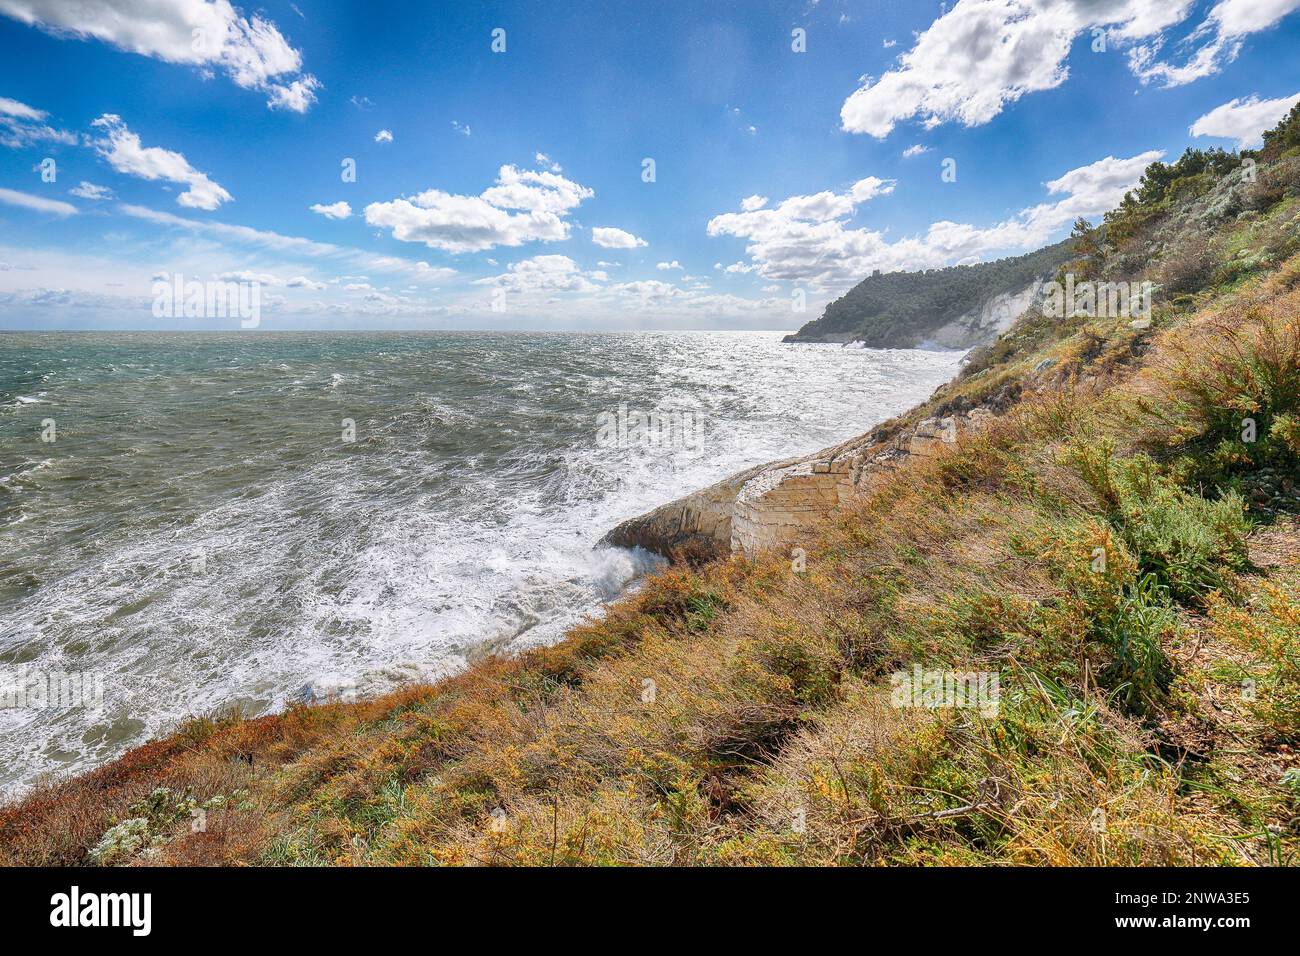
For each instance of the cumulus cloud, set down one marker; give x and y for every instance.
(609, 237)
(522, 206)
(122, 149)
(984, 54)
(916, 150)
(208, 35)
(297, 96)
(750, 203)
(1244, 120)
(384, 136)
(665, 266)
(12, 197)
(336, 210)
(544, 274)
(806, 238)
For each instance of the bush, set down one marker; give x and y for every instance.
(1273, 183)
(1230, 396)
(1186, 541)
(1285, 135)
(1191, 545)
(1269, 631)
(1188, 267)
(1139, 672)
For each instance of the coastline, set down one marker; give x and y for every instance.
(685, 724)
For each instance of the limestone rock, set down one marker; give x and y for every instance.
(774, 505)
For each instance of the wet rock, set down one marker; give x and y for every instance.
(775, 505)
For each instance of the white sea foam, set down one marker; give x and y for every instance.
(463, 520)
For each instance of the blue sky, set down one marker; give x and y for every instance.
(510, 190)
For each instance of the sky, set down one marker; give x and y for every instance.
(562, 164)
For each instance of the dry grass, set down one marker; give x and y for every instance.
(739, 713)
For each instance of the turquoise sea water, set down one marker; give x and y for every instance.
(200, 533)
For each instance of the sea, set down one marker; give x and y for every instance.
(198, 521)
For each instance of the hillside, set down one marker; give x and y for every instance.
(1110, 534)
(956, 307)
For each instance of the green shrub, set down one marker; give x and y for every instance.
(1138, 670)
(1230, 400)
(1190, 544)
(1268, 630)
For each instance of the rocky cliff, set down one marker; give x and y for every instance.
(777, 504)
(956, 307)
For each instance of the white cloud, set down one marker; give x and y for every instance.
(805, 238)
(983, 54)
(609, 237)
(916, 150)
(1244, 120)
(384, 136)
(545, 274)
(293, 245)
(1223, 31)
(236, 275)
(19, 110)
(38, 203)
(460, 127)
(750, 203)
(251, 51)
(270, 279)
(665, 266)
(534, 191)
(21, 125)
(124, 153)
(337, 210)
(1240, 17)
(473, 223)
(296, 97)
(543, 160)
(91, 191)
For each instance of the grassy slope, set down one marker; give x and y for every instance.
(1149, 705)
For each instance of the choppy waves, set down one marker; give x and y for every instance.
(201, 534)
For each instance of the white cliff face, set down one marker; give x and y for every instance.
(773, 506)
(986, 323)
